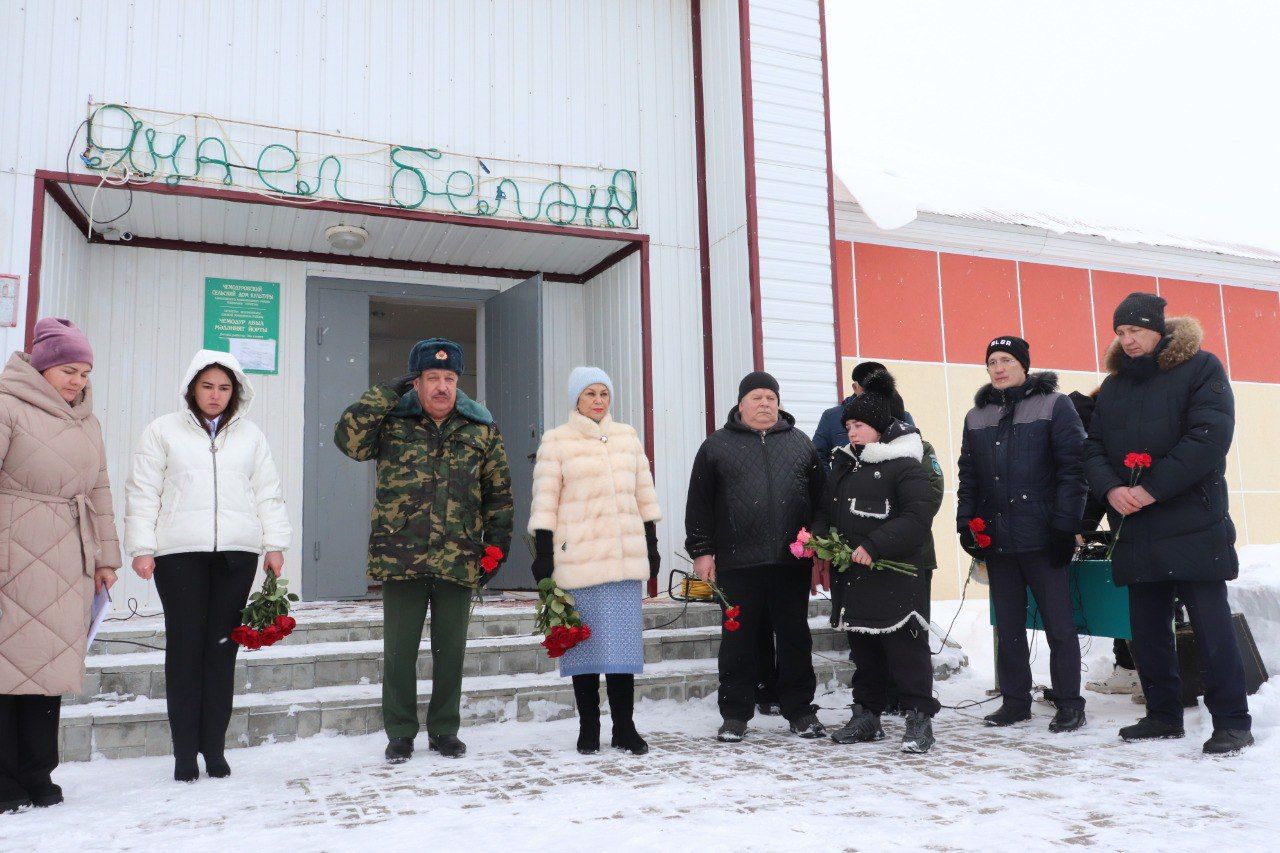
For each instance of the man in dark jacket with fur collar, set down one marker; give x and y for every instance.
(1168, 398)
(753, 486)
(1022, 473)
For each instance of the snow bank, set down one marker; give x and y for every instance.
(1257, 595)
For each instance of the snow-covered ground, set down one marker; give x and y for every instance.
(523, 783)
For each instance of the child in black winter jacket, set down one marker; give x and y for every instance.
(881, 501)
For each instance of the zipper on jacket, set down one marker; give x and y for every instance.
(213, 452)
(768, 479)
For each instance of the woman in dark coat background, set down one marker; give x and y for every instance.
(881, 501)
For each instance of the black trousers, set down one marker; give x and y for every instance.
(28, 743)
(203, 596)
(899, 659)
(766, 665)
(1153, 647)
(781, 592)
(1010, 575)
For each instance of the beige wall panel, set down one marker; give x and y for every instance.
(1256, 408)
(1263, 511)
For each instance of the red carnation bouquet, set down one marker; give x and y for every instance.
(1136, 463)
(977, 526)
(266, 621)
(491, 559)
(558, 621)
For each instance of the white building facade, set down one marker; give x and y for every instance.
(641, 184)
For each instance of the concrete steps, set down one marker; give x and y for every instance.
(326, 677)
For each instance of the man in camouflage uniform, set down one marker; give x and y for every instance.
(444, 496)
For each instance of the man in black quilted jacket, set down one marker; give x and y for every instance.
(753, 486)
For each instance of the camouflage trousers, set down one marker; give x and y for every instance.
(405, 604)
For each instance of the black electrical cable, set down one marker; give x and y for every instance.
(71, 188)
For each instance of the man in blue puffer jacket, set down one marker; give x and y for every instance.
(1022, 472)
(830, 433)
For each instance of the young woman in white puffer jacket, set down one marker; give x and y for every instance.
(203, 503)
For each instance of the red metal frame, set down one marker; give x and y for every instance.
(749, 163)
(704, 230)
(831, 198)
(35, 262)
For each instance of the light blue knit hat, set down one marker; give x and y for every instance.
(581, 378)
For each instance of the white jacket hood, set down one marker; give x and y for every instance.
(203, 359)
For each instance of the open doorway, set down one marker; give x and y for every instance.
(396, 324)
(361, 333)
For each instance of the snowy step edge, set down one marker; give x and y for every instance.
(113, 638)
(141, 676)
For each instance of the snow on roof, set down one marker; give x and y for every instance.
(892, 199)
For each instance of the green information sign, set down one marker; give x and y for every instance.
(243, 318)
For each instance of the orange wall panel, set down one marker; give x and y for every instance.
(1109, 288)
(1201, 300)
(1056, 316)
(1253, 332)
(980, 301)
(845, 317)
(897, 293)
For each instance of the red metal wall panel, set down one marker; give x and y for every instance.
(897, 292)
(980, 302)
(1056, 317)
(844, 301)
(1201, 300)
(1253, 331)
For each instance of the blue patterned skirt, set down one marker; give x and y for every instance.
(612, 612)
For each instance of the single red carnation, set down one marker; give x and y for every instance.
(732, 624)
(977, 525)
(493, 551)
(733, 612)
(983, 540)
(1144, 460)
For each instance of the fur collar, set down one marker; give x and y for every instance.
(410, 407)
(906, 446)
(1040, 382)
(1185, 336)
(583, 425)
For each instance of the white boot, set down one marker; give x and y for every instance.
(1121, 680)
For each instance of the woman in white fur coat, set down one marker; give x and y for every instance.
(593, 522)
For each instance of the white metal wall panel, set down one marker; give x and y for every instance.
(64, 278)
(726, 200)
(791, 188)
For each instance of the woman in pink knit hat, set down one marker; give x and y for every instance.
(57, 543)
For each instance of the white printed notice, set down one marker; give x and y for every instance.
(254, 355)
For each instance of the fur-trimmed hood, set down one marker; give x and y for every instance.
(1184, 336)
(904, 442)
(1040, 382)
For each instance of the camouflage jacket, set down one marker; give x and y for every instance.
(444, 493)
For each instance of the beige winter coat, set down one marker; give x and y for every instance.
(593, 490)
(56, 527)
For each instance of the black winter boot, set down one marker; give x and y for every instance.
(586, 693)
(399, 750)
(447, 745)
(1223, 742)
(1149, 728)
(185, 769)
(216, 765)
(621, 689)
(1067, 720)
(863, 727)
(1007, 716)
(918, 736)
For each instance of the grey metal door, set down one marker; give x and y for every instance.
(513, 392)
(335, 518)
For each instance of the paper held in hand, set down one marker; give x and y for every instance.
(101, 604)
